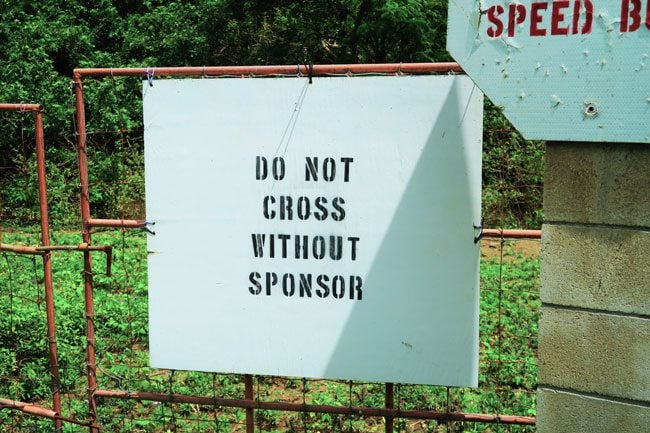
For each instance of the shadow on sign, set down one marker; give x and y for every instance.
(420, 325)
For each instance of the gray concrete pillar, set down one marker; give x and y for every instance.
(594, 338)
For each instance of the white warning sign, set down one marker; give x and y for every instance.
(319, 230)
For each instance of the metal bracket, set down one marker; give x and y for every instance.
(477, 238)
(147, 229)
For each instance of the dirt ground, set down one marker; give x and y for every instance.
(526, 247)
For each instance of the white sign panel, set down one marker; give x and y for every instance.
(316, 230)
(576, 70)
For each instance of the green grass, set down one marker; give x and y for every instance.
(508, 363)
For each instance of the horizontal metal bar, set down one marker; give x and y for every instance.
(80, 247)
(316, 70)
(19, 249)
(29, 408)
(115, 223)
(108, 249)
(512, 234)
(21, 107)
(39, 411)
(41, 250)
(486, 233)
(299, 407)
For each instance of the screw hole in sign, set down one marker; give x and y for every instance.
(591, 109)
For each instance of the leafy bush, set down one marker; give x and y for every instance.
(43, 41)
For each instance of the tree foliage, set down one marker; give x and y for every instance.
(41, 43)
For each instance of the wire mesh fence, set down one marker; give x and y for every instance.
(103, 362)
(23, 345)
(508, 369)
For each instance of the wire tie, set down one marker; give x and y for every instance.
(477, 238)
(399, 69)
(147, 229)
(150, 72)
(203, 73)
(310, 70)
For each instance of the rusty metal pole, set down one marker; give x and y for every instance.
(390, 402)
(249, 394)
(37, 109)
(115, 223)
(47, 267)
(39, 411)
(20, 249)
(20, 107)
(315, 408)
(511, 234)
(91, 366)
(301, 70)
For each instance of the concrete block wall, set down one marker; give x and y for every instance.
(594, 338)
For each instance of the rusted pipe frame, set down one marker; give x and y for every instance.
(37, 109)
(298, 70)
(29, 408)
(116, 223)
(21, 107)
(82, 156)
(80, 247)
(511, 234)
(19, 249)
(301, 407)
(250, 395)
(389, 402)
(47, 265)
(40, 250)
(38, 411)
(43, 250)
(107, 249)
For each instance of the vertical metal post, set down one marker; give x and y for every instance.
(250, 412)
(390, 403)
(47, 267)
(91, 366)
